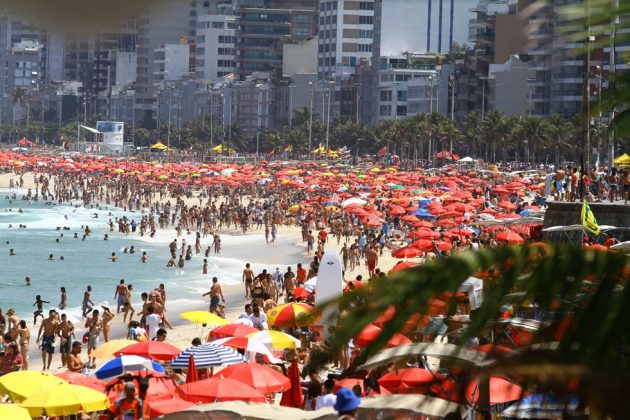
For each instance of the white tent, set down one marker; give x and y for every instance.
(466, 159)
(353, 200)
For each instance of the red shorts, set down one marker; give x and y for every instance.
(371, 265)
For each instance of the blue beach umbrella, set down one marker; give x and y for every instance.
(207, 355)
(121, 364)
(543, 406)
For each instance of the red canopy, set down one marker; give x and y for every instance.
(262, 378)
(218, 389)
(371, 332)
(232, 330)
(156, 350)
(168, 406)
(410, 380)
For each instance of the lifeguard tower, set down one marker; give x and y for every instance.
(108, 139)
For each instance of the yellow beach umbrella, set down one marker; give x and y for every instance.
(203, 317)
(22, 384)
(64, 399)
(275, 339)
(13, 412)
(623, 160)
(108, 350)
(295, 207)
(159, 146)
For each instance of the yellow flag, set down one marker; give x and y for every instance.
(588, 219)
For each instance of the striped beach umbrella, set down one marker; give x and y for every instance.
(207, 355)
(121, 364)
(290, 315)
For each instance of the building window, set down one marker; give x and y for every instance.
(366, 5)
(304, 19)
(366, 20)
(386, 95)
(303, 32)
(385, 110)
(366, 34)
(401, 110)
(226, 39)
(217, 25)
(364, 47)
(402, 95)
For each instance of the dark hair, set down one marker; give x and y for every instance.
(196, 341)
(150, 309)
(161, 331)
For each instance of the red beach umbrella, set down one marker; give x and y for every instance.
(510, 237)
(501, 391)
(191, 374)
(156, 350)
(370, 332)
(409, 380)
(76, 378)
(402, 266)
(494, 350)
(232, 330)
(507, 205)
(168, 406)
(260, 377)
(407, 252)
(218, 389)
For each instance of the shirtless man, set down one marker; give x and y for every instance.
(558, 180)
(120, 295)
(74, 359)
(289, 282)
(215, 294)
(13, 323)
(65, 329)
(48, 328)
(248, 279)
(94, 326)
(372, 259)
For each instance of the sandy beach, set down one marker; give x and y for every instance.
(288, 251)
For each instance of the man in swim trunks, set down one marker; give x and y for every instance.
(120, 295)
(48, 328)
(216, 295)
(248, 279)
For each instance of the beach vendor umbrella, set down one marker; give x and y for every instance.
(64, 399)
(109, 349)
(510, 237)
(207, 355)
(121, 364)
(501, 391)
(290, 315)
(301, 293)
(22, 384)
(402, 266)
(155, 350)
(260, 377)
(276, 339)
(409, 380)
(168, 406)
(76, 378)
(407, 252)
(204, 317)
(232, 330)
(371, 332)
(218, 389)
(14, 412)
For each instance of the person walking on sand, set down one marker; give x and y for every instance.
(107, 317)
(87, 304)
(94, 326)
(127, 307)
(372, 259)
(216, 296)
(65, 332)
(46, 335)
(248, 279)
(25, 337)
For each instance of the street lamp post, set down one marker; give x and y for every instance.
(211, 94)
(291, 107)
(431, 95)
(331, 85)
(258, 121)
(310, 123)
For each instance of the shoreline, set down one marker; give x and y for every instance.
(288, 252)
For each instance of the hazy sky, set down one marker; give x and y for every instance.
(405, 24)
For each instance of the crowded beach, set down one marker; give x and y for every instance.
(254, 342)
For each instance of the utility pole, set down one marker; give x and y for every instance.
(291, 106)
(330, 87)
(310, 123)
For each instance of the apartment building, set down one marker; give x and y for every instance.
(215, 46)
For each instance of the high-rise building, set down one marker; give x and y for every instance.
(264, 26)
(346, 29)
(215, 46)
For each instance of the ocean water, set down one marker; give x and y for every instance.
(87, 261)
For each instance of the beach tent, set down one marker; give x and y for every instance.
(27, 142)
(159, 146)
(223, 149)
(466, 159)
(623, 160)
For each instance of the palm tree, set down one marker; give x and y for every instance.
(472, 131)
(20, 97)
(584, 294)
(532, 132)
(495, 127)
